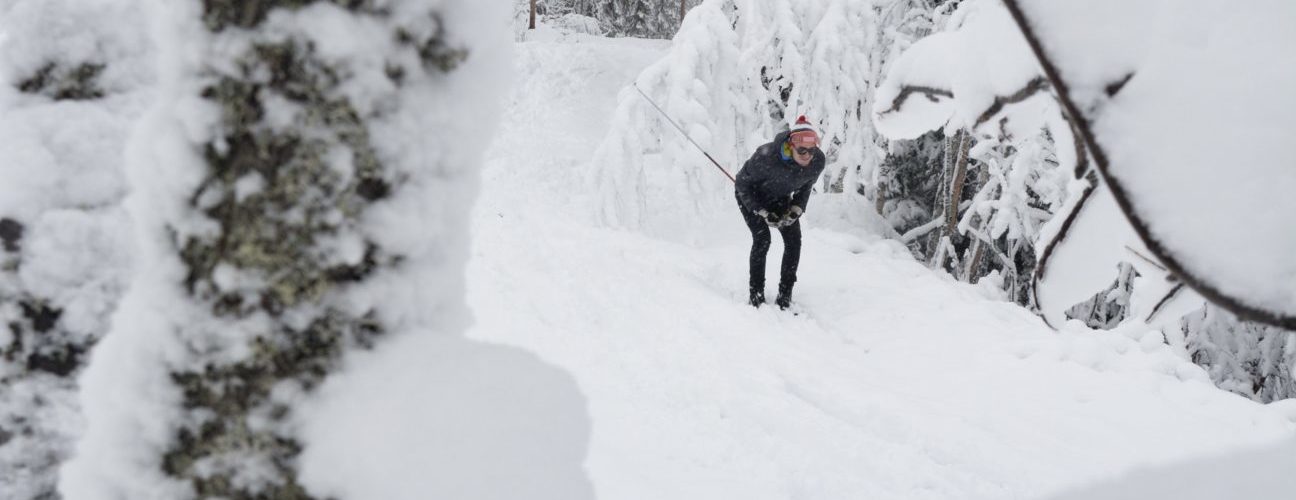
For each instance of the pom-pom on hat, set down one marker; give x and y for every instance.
(803, 134)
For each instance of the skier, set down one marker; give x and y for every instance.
(772, 190)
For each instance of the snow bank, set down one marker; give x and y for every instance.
(437, 416)
(1258, 473)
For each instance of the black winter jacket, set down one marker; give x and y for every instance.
(768, 182)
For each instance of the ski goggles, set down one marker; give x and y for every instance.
(804, 139)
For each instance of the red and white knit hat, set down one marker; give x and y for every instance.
(803, 134)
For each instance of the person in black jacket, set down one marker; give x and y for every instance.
(773, 188)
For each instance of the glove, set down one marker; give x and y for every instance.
(791, 216)
(772, 219)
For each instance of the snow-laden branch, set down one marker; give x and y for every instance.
(1163, 129)
(922, 230)
(967, 76)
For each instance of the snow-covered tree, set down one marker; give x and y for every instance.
(1252, 359)
(1001, 175)
(838, 86)
(301, 190)
(636, 18)
(739, 72)
(640, 149)
(72, 79)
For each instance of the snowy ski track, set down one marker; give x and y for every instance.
(894, 383)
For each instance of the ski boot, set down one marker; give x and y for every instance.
(784, 299)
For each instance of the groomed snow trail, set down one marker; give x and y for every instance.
(894, 382)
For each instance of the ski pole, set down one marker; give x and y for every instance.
(685, 134)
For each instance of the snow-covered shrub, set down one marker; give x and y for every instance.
(301, 191)
(73, 77)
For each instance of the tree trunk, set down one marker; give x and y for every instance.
(957, 179)
(532, 23)
(972, 268)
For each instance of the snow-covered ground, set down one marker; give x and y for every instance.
(892, 382)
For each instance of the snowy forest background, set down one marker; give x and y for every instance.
(219, 205)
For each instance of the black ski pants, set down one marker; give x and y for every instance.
(760, 247)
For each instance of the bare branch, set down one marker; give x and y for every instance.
(1145, 258)
(1047, 254)
(1164, 300)
(1032, 87)
(931, 93)
(1115, 87)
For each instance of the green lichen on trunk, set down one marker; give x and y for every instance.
(58, 82)
(275, 232)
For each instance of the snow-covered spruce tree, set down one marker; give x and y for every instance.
(301, 192)
(635, 18)
(1255, 360)
(638, 19)
(906, 186)
(72, 80)
(643, 158)
(838, 87)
